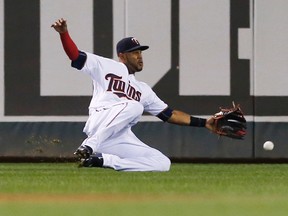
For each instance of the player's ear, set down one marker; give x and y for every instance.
(122, 57)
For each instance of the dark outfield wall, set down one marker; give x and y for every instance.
(56, 139)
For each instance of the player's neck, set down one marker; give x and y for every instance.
(130, 70)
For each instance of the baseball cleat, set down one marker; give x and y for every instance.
(83, 152)
(92, 161)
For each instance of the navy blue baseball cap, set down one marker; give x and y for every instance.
(129, 44)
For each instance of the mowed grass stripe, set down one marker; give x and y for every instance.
(200, 179)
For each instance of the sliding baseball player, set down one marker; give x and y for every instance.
(118, 102)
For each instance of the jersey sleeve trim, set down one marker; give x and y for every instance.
(80, 61)
(165, 114)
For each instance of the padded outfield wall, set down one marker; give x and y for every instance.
(203, 54)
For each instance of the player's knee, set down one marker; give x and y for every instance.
(164, 164)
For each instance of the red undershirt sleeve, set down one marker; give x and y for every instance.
(69, 46)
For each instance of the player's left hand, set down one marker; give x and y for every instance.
(228, 122)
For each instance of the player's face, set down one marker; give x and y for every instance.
(133, 60)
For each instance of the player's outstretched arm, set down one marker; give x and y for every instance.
(228, 122)
(179, 118)
(182, 118)
(69, 46)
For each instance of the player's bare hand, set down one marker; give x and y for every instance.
(60, 26)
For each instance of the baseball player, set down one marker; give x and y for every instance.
(118, 102)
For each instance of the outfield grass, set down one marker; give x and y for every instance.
(188, 189)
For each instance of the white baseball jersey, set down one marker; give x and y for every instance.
(117, 104)
(112, 84)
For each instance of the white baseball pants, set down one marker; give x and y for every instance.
(109, 133)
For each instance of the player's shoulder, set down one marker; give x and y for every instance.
(144, 85)
(104, 62)
(102, 58)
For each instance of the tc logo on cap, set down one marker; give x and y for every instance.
(135, 40)
(129, 44)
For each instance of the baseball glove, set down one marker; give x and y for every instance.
(230, 122)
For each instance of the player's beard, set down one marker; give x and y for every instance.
(133, 68)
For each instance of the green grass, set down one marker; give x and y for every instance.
(188, 189)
